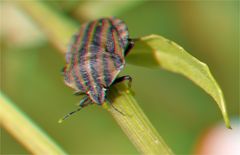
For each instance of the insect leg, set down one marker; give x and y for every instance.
(77, 93)
(123, 78)
(129, 47)
(62, 70)
(82, 104)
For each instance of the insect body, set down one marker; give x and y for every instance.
(95, 58)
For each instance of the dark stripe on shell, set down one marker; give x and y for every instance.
(96, 52)
(69, 78)
(118, 50)
(122, 31)
(85, 70)
(109, 47)
(76, 67)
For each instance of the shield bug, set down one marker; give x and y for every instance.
(95, 58)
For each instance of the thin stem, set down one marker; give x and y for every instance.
(25, 131)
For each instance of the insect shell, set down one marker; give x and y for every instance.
(95, 58)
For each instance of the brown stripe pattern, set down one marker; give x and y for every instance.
(96, 56)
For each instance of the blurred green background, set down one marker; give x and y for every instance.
(179, 110)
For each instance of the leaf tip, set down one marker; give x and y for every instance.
(227, 121)
(227, 124)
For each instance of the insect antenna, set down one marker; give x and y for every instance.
(69, 114)
(117, 110)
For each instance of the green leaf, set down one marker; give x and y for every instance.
(159, 52)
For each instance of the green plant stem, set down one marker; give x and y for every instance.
(25, 131)
(57, 28)
(134, 124)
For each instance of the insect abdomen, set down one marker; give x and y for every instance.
(96, 56)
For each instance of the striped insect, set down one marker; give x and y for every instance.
(95, 58)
